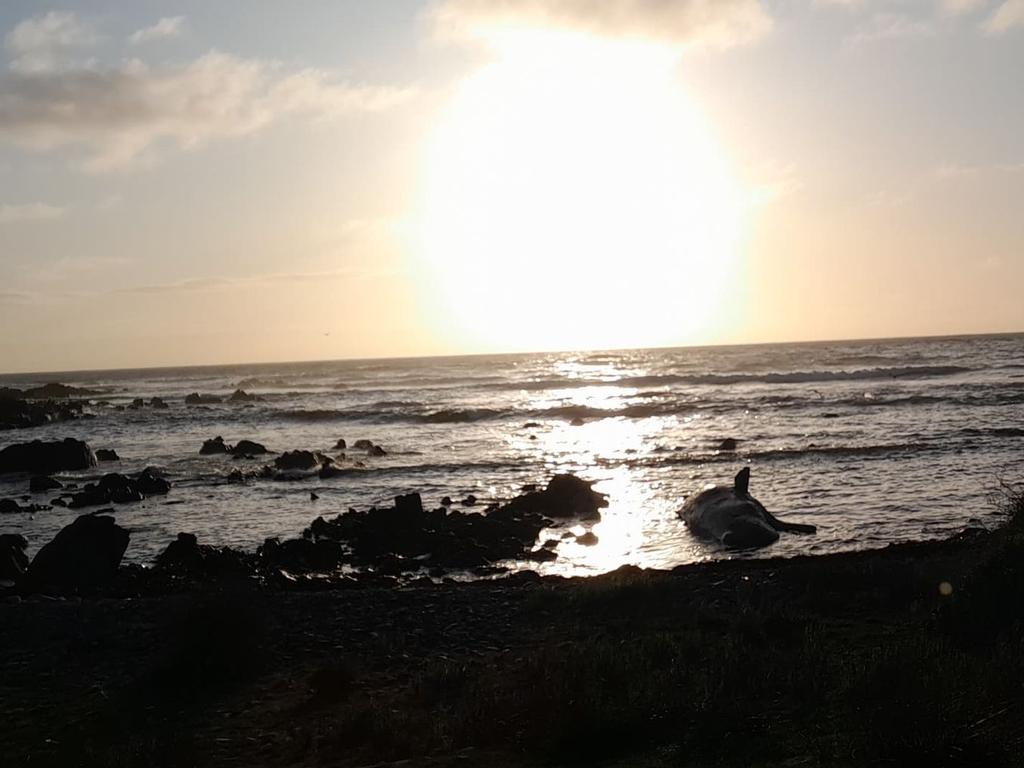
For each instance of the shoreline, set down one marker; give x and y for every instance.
(849, 658)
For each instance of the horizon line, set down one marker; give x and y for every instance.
(381, 358)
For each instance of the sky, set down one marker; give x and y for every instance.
(200, 183)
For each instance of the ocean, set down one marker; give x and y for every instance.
(871, 441)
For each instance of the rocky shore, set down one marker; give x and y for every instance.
(896, 656)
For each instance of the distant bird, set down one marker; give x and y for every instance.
(313, 496)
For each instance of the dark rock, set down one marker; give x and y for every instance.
(300, 460)
(13, 561)
(566, 496)
(16, 413)
(531, 425)
(85, 553)
(541, 555)
(376, 450)
(313, 496)
(41, 483)
(9, 506)
(587, 539)
(58, 502)
(340, 445)
(728, 444)
(114, 488)
(446, 501)
(235, 476)
(577, 422)
(197, 399)
(45, 458)
(327, 471)
(362, 445)
(151, 484)
(216, 445)
(158, 403)
(469, 501)
(186, 559)
(248, 448)
(300, 555)
(137, 403)
(241, 396)
(56, 391)
(107, 454)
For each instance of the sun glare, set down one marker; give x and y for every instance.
(574, 198)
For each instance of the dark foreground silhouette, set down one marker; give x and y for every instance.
(911, 655)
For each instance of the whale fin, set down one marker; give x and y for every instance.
(742, 481)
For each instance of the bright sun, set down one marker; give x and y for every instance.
(573, 198)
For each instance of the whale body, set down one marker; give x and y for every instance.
(734, 518)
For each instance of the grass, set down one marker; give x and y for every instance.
(854, 660)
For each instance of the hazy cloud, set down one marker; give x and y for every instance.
(118, 115)
(29, 212)
(953, 171)
(892, 26)
(961, 7)
(679, 22)
(43, 43)
(1007, 16)
(211, 283)
(169, 26)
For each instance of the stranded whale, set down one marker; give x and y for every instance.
(731, 516)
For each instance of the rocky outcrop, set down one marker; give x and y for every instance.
(197, 399)
(11, 507)
(16, 413)
(186, 559)
(84, 554)
(107, 454)
(243, 448)
(56, 391)
(248, 448)
(440, 538)
(214, 446)
(115, 488)
(158, 403)
(566, 496)
(241, 396)
(303, 461)
(13, 561)
(43, 458)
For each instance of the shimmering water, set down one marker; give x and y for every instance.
(873, 441)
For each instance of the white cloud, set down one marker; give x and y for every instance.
(119, 115)
(1007, 16)
(43, 43)
(169, 26)
(678, 22)
(30, 212)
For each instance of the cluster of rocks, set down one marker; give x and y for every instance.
(114, 488)
(12, 507)
(241, 448)
(157, 403)
(378, 543)
(16, 413)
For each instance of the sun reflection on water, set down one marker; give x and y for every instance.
(595, 450)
